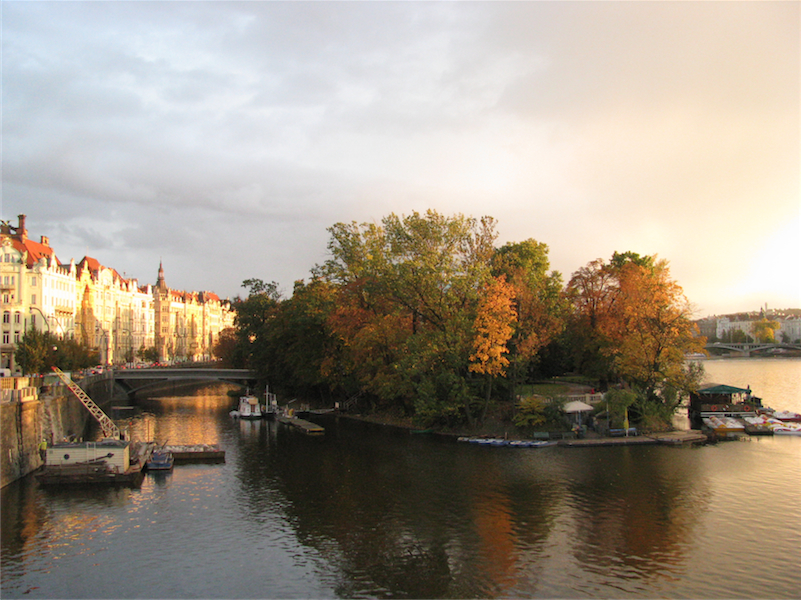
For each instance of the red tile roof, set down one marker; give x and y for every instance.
(35, 250)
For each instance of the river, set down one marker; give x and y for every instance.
(369, 512)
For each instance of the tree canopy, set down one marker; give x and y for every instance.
(423, 314)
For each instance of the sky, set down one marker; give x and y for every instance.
(224, 138)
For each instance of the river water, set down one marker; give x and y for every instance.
(368, 512)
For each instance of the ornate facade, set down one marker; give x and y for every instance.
(98, 306)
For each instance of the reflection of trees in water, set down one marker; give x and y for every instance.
(635, 513)
(399, 516)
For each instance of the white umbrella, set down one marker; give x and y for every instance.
(577, 406)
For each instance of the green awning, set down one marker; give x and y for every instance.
(723, 389)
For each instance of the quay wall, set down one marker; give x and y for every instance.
(49, 412)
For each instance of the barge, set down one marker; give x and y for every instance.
(195, 453)
(109, 462)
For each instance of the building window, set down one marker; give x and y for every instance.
(17, 318)
(33, 320)
(33, 281)
(6, 338)
(33, 298)
(6, 317)
(16, 338)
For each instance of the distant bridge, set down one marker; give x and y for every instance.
(134, 380)
(749, 347)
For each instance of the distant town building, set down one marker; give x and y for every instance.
(99, 307)
(726, 328)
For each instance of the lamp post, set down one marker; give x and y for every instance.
(44, 318)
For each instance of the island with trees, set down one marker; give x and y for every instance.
(422, 319)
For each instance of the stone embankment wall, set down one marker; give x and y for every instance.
(45, 412)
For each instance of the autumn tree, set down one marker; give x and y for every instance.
(226, 348)
(495, 317)
(640, 321)
(764, 330)
(408, 294)
(538, 300)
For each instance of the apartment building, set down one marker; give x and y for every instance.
(103, 309)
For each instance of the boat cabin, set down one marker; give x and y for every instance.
(717, 400)
(114, 453)
(249, 407)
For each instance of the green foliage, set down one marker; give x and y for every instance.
(150, 354)
(421, 313)
(38, 351)
(530, 413)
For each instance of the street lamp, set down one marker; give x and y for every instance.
(44, 318)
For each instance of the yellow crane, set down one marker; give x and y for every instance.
(110, 430)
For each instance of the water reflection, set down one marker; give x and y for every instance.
(370, 512)
(634, 509)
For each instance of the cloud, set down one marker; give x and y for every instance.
(225, 137)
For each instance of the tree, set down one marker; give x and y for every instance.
(150, 354)
(764, 330)
(407, 297)
(495, 317)
(538, 301)
(36, 351)
(226, 348)
(639, 324)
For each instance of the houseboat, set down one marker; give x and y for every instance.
(110, 461)
(721, 401)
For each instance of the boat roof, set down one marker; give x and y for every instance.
(723, 389)
(106, 443)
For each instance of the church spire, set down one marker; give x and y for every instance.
(160, 283)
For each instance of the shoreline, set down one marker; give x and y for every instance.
(666, 438)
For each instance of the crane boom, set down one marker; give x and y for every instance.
(110, 429)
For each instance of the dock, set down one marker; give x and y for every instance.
(668, 438)
(197, 453)
(305, 426)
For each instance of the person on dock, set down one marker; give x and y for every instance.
(43, 449)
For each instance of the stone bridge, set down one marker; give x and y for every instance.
(134, 380)
(747, 348)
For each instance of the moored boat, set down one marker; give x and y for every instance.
(787, 416)
(109, 461)
(160, 460)
(249, 408)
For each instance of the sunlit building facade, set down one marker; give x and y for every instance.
(96, 305)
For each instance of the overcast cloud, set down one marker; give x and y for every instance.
(224, 138)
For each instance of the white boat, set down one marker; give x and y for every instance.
(787, 416)
(249, 408)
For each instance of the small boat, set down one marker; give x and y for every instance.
(532, 443)
(787, 416)
(249, 408)
(160, 460)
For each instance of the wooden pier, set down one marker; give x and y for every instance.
(305, 426)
